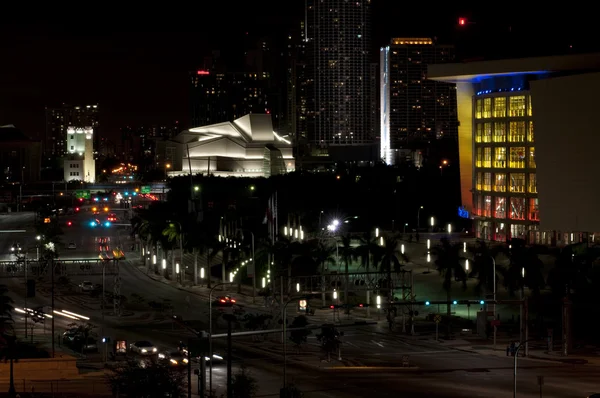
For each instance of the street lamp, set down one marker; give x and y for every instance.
(180, 245)
(284, 327)
(210, 349)
(419, 218)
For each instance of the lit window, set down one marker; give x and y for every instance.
(500, 107)
(499, 132)
(517, 208)
(479, 157)
(478, 181)
(517, 157)
(478, 132)
(478, 108)
(487, 157)
(487, 181)
(532, 185)
(517, 106)
(487, 132)
(530, 136)
(531, 159)
(529, 111)
(500, 182)
(500, 208)
(534, 212)
(517, 182)
(487, 206)
(500, 157)
(487, 108)
(516, 132)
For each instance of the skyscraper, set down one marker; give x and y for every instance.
(57, 121)
(338, 42)
(413, 109)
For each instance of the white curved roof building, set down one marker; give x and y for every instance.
(246, 147)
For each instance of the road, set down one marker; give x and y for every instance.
(443, 371)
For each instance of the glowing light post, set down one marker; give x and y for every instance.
(419, 218)
(210, 348)
(432, 222)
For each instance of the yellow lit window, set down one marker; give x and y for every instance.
(500, 157)
(516, 132)
(516, 106)
(487, 108)
(500, 208)
(487, 132)
(532, 186)
(529, 112)
(517, 182)
(487, 157)
(500, 182)
(478, 181)
(534, 209)
(478, 132)
(531, 159)
(479, 157)
(500, 107)
(516, 157)
(487, 181)
(478, 108)
(486, 211)
(499, 132)
(530, 136)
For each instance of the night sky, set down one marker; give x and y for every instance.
(135, 62)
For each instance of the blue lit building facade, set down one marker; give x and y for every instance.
(515, 127)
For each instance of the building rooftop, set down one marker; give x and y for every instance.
(475, 72)
(9, 133)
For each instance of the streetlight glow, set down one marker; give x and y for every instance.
(432, 221)
(231, 275)
(202, 273)
(467, 264)
(449, 228)
(378, 302)
(264, 282)
(428, 244)
(402, 248)
(176, 268)
(464, 247)
(428, 257)
(335, 294)
(377, 232)
(297, 287)
(164, 264)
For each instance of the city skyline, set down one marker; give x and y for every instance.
(132, 64)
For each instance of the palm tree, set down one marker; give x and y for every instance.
(348, 253)
(8, 349)
(525, 269)
(323, 254)
(392, 259)
(173, 232)
(449, 265)
(484, 257)
(366, 249)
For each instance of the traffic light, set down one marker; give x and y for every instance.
(462, 21)
(69, 223)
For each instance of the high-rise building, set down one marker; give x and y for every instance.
(413, 109)
(221, 97)
(338, 43)
(59, 119)
(296, 90)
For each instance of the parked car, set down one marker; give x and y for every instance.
(143, 348)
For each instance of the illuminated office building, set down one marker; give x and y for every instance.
(528, 136)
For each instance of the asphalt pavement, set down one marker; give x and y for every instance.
(371, 355)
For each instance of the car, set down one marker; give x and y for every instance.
(70, 335)
(143, 347)
(216, 359)
(72, 246)
(174, 358)
(86, 286)
(15, 248)
(224, 301)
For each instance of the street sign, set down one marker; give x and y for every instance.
(146, 189)
(82, 194)
(405, 361)
(437, 318)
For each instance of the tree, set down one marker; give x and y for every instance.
(482, 268)
(449, 265)
(367, 250)
(146, 379)
(243, 384)
(525, 269)
(392, 259)
(8, 341)
(299, 337)
(348, 253)
(84, 330)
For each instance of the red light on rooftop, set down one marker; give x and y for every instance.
(203, 72)
(462, 21)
